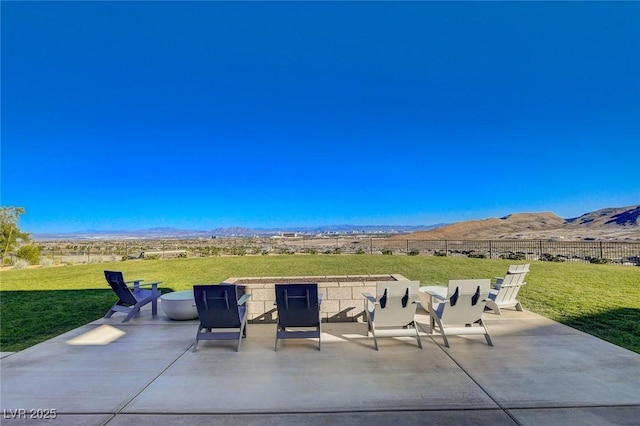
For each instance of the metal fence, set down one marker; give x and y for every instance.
(554, 251)
(558, 251)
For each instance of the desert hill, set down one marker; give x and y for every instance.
(622, 223)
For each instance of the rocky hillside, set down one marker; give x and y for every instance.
(621, 223)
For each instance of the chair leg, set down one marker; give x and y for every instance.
(441, 327)
(486, 334)
(519, 306)
(375, 339)
(494, 307)
(134, 310)
(417, 335)
(242, 333)
(276, 345)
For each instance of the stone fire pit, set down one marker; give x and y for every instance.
(342, 299)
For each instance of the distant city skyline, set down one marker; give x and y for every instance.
(204, 115)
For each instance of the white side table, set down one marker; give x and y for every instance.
(179, 305)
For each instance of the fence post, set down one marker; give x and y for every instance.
(540, 252)
(446, 248)
(490, 250)
(370, 245)
(407, 246)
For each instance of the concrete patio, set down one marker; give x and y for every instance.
(143, 372)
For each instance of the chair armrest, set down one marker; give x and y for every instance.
(370, 297)
(436, 292)
(136, 283)
(243, 299)
(437, 296)
(153, 284)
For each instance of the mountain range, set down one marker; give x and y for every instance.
(236, 231)
(618, 223)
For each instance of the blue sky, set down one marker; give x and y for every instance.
(130, 115)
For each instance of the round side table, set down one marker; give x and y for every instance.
(179, 305)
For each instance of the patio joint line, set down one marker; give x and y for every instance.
(294, 413)
(126, 404)
(505, 410)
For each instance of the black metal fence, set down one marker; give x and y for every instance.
(555, 251)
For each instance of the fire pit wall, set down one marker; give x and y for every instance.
(342, 299)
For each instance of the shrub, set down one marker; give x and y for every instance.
(182, 255)
(238, 251)
(598, 260)
(46, 262)
(440, 253)
(477, 255)
(20, 264)
(336, 250)
(546, 257)
(30, 253)
(387, 252)
(152, 257)
(514, 256)
(361, 250)
(413, 253)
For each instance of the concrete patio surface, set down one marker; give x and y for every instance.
(143, 372)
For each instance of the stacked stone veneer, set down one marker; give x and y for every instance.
(342, 299)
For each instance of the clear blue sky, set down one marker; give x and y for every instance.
(130, 115)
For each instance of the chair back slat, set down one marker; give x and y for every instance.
(396, 303)
(217, 305)
(119, 286)
(470, 300)
(518, 269)
(510, 287)
(298, 305)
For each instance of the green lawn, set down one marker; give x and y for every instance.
(37, 304)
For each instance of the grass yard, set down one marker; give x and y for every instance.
(37, 304)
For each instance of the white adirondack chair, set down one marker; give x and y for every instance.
(391, 312)
(517, 269)
(506, 293)
(459, 312)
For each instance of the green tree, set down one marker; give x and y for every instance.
(30, 253)
(10, 234)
